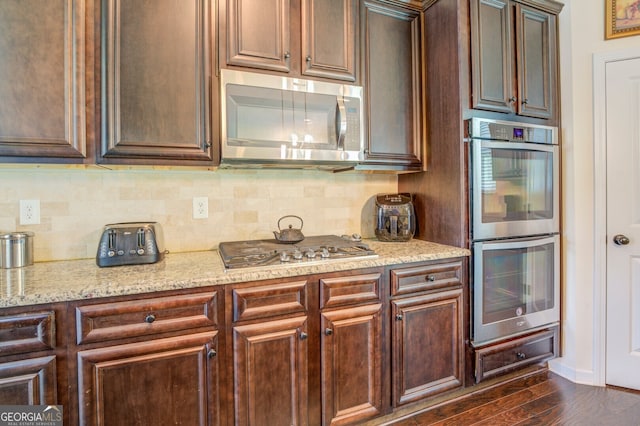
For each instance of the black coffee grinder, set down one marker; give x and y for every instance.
(395, 216)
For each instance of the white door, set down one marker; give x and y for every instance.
(623, 220)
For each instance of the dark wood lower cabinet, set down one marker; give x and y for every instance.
(270, 372)
(427, 345)
(351, 358)
(155, 382)
(502, 357)
(29, 382)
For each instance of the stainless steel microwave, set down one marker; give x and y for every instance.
(286, 122)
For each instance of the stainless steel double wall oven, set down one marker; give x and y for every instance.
(514, 182)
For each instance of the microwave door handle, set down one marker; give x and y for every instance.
(341, 123)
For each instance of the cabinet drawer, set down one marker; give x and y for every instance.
(503, 357)
(425, 277)
(342, 291)
(269, 300)
(119, 320)
(30, 332)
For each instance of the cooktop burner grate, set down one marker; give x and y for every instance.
(323, 248)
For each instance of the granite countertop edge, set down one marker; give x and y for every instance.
(71, 280)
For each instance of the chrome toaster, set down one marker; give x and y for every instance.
(130, 243)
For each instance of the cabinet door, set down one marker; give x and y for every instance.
(329, 38)
(393, 77)
(427, 354)
(491, 56)
(537, 79)
(42, 72)
(157, 81)
(351, 348)
(258, 34)
(29, 382)
(165, 381)
(270, 372)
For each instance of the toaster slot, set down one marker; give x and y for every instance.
(112, 240)
(141, 241)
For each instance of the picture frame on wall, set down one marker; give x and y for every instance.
(622, 18)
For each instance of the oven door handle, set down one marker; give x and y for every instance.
(525, 242)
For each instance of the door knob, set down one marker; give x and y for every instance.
(621, 240)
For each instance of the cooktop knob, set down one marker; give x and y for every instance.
(297, 255)
(325, 253)
(310, 254)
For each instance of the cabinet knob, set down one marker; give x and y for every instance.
(308, 58)
(512, 99)
(521, 355)
(212, 353)
(430, 278)
(287, 55)
(150, 318)
(525, 101)
(303, 336)
(399, 317)
(328, 331)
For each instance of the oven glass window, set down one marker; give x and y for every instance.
(517, 281)
(516, 185)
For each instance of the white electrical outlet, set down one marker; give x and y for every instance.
(29, 212)
(200, 207)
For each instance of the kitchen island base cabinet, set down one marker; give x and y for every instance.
(270, 372)
(164, 381)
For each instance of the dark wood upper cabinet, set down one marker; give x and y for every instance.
(392, 75)
(514, 59)
(329, 33)
(42, 80)
(159, 91)
(314, 38)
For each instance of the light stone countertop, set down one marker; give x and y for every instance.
(49, 282)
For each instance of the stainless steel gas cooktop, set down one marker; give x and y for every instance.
(311, 250)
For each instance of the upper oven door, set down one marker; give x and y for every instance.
(514, 189)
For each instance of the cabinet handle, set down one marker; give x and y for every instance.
(303, 336)
(526, 101)
(150, 318)
(328, 331)
(287, 55)
(399, 317)
(212, 353)
(430, 278)
(521, 355)
(512, 99)
(308, 58)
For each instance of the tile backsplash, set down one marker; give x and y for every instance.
(75, 204)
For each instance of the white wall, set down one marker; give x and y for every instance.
(581, 35)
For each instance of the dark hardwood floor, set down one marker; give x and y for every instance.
(546, 399)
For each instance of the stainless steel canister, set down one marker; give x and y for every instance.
(16, 249)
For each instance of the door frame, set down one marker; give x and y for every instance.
(600, 61)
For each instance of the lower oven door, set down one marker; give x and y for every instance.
(516, 286)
